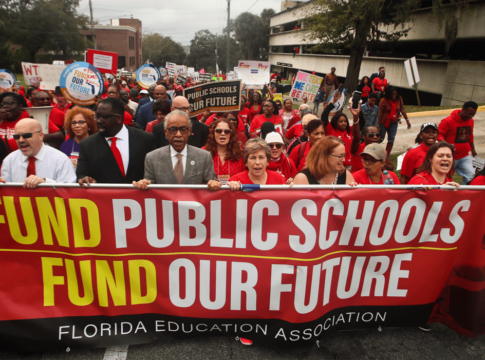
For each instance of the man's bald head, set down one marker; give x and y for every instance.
(160, 92)
(181, 103)
(28, 124)
(33, 142)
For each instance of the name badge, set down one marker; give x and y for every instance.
(74, 156)
(223, 179)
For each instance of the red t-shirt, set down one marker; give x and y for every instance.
(228, 169)
(296, 152)
(356, 159)
(127, 118)
(242, 139)
(380, 85)
(245, 116)
(413, 160)
(260, 119)
(362, 178)
(458, 132)
(274, 76)
(293, 121)
(295, 131)
(479, 180)
(366, 91)
(425, 178)
(274, 178)
(253, 112)
(7, 130)
(151, 125)
(343, 135)
(57, 115)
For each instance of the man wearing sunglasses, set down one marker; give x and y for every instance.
(116, 153)
(35, 163)
(179, 163)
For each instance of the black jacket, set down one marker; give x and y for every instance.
(198, 138)
(97, 160)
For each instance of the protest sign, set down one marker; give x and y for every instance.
(180, 70)
(181, 80)
(7, 79)
(205, 77)
(202, 71)
(194, 76)
(80, 83)
(58, 62)
(478, 163)
(41, 114)
(104, 61)
(305, 86)
(340, 103)
(278, 97)
(147, 75)
(254, 73)
(220, 96)
(116, 266)
(44, 76)
(170, 93)
(190, 70)
(170, 68)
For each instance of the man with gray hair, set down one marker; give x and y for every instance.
(179, 163)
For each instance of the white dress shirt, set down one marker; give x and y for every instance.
(173, 154)
(133, 106)
(50, 164)
(122, 143)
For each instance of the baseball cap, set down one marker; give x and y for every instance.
(425, 125)
(144, 92)
(377, 151)
(274, 137)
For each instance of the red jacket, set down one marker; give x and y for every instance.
(458, 132)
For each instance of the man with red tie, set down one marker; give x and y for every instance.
(116, 154)
(35, 163)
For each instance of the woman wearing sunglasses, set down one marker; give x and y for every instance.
(279, 161)
(79, 124)
(223, 145)
(374, 159)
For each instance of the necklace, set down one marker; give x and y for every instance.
(333, 183)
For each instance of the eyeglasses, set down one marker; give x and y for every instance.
(173, 130)
(112, 92)
(374, 135)
(277, 146)
(371, 161)
(26, 135)
(8, 103)
(340, 157)
(104, 117)
(183, 108)
(81, 123)
(226, 131)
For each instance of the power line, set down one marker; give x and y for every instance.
(252, 5)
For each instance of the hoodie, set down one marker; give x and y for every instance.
(458, 132)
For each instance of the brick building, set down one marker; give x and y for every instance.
(122, 36)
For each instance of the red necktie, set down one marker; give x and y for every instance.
(117, 155)
(31, 166)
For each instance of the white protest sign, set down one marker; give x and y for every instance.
(102, 61)
(194, 76)
(190, 70)
(180, 70)
(44, 76)
(400, 160)
(411, 67)
(305, 86)
(41, 114)
(170, 68)
(58, 62)
(254, 72)
(478, 163)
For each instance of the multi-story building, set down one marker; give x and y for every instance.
(447, 78)
(122, 36)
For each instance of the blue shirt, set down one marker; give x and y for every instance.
(371, 114)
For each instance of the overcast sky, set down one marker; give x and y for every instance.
(179, 19)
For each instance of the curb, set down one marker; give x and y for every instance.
(439, 112)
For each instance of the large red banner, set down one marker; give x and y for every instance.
(99, 267)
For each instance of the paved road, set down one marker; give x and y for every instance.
(397, 343)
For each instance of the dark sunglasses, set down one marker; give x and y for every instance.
(277, 146)
(27, 135)
(226, 131)
(372, 135)
(7, 103)
(173, 130)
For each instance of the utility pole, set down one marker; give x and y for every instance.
(228, 33)
(92, 24)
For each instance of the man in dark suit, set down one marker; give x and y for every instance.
(200, 132)
(116, 154)
(179, 163)
(145, 114)
(147, 99)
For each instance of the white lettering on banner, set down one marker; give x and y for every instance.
(372, 225)
(174, 282)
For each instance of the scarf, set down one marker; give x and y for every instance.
(282, 166)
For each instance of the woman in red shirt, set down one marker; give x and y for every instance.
(161, 109)
(257, 156)
(437, 166)
(255, 104)
(270, 113)
(315, 132)
(479, 178)
(414, 158)
(279, 161)
(236, 121)
(224, 147)
(287, 113)
(364, 88)
(379, 84)
(373, 159)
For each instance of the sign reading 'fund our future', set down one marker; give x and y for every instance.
(81, 82)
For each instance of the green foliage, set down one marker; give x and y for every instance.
(161, 49)
(252, 32)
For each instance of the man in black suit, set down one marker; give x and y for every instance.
(146, 100)
(145, 114)
(116, 154)
(200, 132)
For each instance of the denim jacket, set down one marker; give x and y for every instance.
(371, 114)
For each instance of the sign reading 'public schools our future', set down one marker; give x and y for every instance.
(221, 96)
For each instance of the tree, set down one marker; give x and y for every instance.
(353, 24)
(248, 29)
(266, 15)
(161, 49)
(203, 51)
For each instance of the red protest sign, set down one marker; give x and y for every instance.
(104, 61)
(98, 266)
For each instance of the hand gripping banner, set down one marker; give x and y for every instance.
(105, 266)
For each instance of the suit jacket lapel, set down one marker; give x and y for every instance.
(190, 164)
(131, 150)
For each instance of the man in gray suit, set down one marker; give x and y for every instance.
(179, 163)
